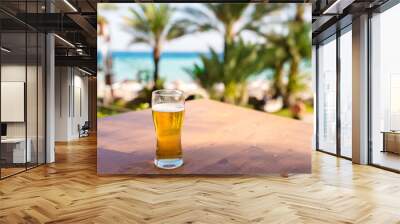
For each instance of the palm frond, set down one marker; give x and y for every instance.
(141, 40)
(187, 26)
(198, 13)
(265, 9)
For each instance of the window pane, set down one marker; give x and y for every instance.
(41, 98)
(14, 153)
(346, 93)
(31, 97)
(386, 89)
(327, 97)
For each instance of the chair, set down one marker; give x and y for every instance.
(84, 130)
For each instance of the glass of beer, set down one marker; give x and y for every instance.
(168, 107)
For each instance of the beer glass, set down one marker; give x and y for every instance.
(168, 107)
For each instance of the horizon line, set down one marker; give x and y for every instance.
(150, 52)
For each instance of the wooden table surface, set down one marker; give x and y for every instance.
(217, 139)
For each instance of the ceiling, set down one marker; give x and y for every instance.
(331, 15)
(73, 22)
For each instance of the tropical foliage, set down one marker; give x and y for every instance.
(280, 53)
(209, 73)
(230, 20)
(300, 48)
(103, 33)
(242, 60)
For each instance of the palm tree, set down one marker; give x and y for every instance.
(230, 20)
(209, 73)
(153, 24)
(278, 51)
(289, 48)
(103, 33)
(101, 20)
(241, 62)
(227, 16)
(299, 43)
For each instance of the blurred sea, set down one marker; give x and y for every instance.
(127, 65)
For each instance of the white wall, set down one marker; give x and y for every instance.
(33, 126)
(17, 73)
(71, 102)
(62, 82)
(80, 109)
(14, 73)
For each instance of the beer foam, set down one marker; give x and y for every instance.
(168, 107)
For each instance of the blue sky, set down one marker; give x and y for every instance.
(199, 42)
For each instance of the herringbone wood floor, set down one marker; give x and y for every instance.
(69, 191)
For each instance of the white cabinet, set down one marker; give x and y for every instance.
(18, 149)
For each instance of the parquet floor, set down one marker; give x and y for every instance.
(10, 171)
(69, 191)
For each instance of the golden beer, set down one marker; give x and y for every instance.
(168, 108)
(168, 120)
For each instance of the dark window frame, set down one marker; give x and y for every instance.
(381, 9)
(29, 29)
(340, 30)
